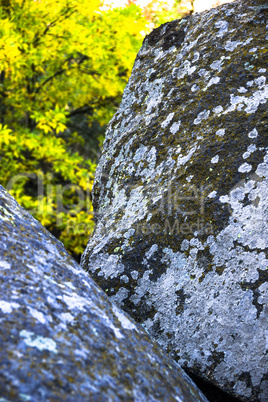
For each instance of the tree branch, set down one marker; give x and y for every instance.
(80, 110)
(51, 24)
(49, 79)
(83, 58)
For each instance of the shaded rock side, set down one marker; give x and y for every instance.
(181, 191)
(61, 338)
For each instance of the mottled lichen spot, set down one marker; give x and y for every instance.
(242, 90)
(216, 65)
(223, 28)
(7, 307)
(253, 133)
(215, 159)
(231, 46)
(196, 57)
(5, 265)
(166, 122)
(175, 127)
(39, 342)
(213, 81)
(212, 194)
(202, 116)
(124, 320)
(38, 315)
(245, 168)
(134, 274)
(195, 88)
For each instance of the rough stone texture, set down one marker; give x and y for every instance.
(61, 338)
(181, 191)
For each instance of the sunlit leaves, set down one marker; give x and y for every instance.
(59, 59)
(63, 65)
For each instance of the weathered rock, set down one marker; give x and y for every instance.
(181, 191)
(61, 338)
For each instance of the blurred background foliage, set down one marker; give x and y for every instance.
(63, 68)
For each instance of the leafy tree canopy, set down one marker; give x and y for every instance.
(63, 67)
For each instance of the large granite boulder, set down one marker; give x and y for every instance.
(180, 196)
(61, 338)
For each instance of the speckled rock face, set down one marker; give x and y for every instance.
(61, 338)
(181, 196)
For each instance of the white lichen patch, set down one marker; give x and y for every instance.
(248, 104)
(253, 133)
(245, 168)
(189, 178)
(185, 69)
(196, 57)
(181, 160)
(134, 274)
(216, 65)
(230, 46)
(66, 317)
(38, 315)
(212, 194)
(151, 252)
(223, 28)
(124, 320)
(204, 73)
(242, 90)
(129, 233)
(175, 127)
(202, 116)
(7, 307)
(156, 95)
(195, 88)
(124, 279)
(213, 81)
(74, 301)
(39, 342)
(215, 159)
(251, 148)
(184, 245)
(5, 265)
(217, 109)
(224, 198)
(120, 296)
(166, 122)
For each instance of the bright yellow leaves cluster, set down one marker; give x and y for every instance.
(63, 64)
(59, 60)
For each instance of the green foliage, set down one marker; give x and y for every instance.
(63, 66)
(159, 12)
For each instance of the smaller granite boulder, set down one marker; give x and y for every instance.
(61, 339)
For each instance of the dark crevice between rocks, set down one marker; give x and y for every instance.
(213, 393)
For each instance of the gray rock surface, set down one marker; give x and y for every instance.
(181, 191)
(61, 338)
